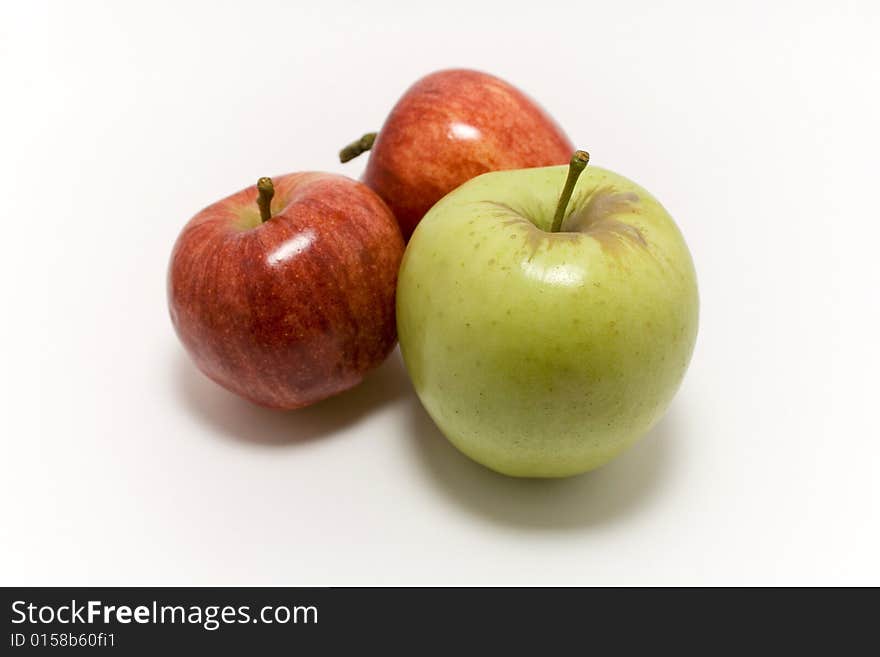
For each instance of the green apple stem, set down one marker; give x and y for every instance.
(355, 148)
(265, 192)
(578, 163)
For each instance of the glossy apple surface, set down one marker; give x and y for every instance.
(451, 126)
(297, 308)
(543, 354)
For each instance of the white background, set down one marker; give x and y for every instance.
(756, 124)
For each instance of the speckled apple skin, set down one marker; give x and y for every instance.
(291, 311)
(451, 126)
(545, 354)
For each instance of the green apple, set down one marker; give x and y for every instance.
(547, 319)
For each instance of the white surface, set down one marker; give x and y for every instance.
(756, 124)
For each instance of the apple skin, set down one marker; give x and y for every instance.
(544, 354)
(291, 311)
(451, 126)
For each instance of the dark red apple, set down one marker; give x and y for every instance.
(449, 127)
(288, 299)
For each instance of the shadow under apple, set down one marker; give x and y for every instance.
(598, 497)
(238, 419)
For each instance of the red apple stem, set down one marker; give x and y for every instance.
(265, 192)
(355, 148)
(578, 163)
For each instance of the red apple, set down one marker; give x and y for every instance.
(289, 299)
(449, 127)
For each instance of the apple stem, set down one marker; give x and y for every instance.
(355, 148)
(578, 163)
(265, 192)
